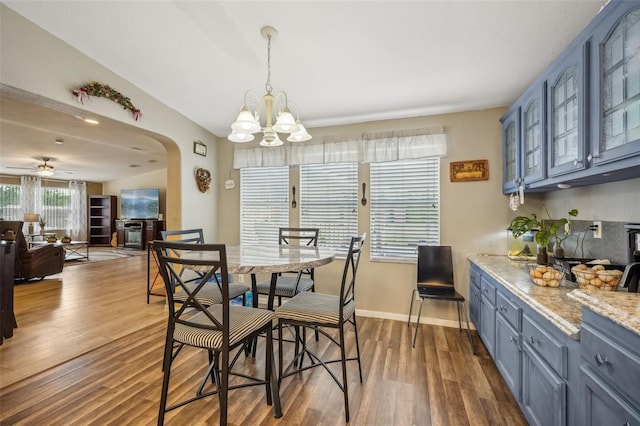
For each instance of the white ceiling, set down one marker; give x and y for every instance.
(341, 62)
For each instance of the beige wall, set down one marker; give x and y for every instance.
(34, 61)
(474, 215)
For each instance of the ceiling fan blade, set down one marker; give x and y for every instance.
(19, 168)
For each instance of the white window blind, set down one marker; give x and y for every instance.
(405, 207)
(329, 201)
(10, 202)
(264, 204)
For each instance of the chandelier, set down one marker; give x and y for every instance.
(275, 107)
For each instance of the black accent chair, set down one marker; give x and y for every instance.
(435, 281)
(318, 311)
(219, 329)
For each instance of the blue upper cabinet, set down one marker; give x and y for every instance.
(615, 53)
(579, 122)
(566, 111)
(511, 175)
(533, 139)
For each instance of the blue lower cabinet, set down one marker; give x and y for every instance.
(507, 354)
(544, 393)
(488, 325)
(603, 405)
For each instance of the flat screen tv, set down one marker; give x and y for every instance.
(139, 203)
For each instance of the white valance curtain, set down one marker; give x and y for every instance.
(363, 148)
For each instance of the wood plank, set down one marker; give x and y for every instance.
(114, 375)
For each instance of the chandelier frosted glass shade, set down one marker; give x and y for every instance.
(275, 107)
(45, 170)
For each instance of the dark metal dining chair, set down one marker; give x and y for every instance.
(219, 329)
(291, 283)
(319, 311)
(435, 282)
(210, 294)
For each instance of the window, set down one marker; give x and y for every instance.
(405, 207)
(329, 201)
(9, 202)
(264, 203)
(56, 203)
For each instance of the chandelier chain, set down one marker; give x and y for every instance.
(268, 85)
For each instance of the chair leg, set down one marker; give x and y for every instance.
(268, 365)
(466, 317)
(313, 289)
(279, 350)
(459, 321)
(223, 391)
(415, 335)
(413, 295)
(355, 329)
(166, 368)
(344, 374)
(274, 397)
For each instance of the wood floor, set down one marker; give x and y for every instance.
(93, 350)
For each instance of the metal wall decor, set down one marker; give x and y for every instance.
(203, 179)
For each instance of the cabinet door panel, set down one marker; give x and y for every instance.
(615, 81)
(511, 155)
(533, 140)
(566, 109)
(508, 354)
(488, 325)
(602, 405)
(544, 394)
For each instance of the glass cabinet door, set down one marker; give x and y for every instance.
(564, 141)
(511, 165)
(566, 106)
(533, 146)
(620, 90)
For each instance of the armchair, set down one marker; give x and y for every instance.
(33, 263)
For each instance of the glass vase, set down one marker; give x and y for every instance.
(558, 250)
(542, 257)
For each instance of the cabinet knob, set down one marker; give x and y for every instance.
(591, 157)
(577, 162)
(533, 341)
(601, 360)
(513, 339)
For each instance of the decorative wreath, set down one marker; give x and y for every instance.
(104, 91)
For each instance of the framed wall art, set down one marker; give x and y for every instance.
(200, 148)
(469, 171)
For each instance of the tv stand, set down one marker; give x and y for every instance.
(135, 233)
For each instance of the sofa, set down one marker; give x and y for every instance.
(32, 263)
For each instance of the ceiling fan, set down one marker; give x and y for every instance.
(45, 169)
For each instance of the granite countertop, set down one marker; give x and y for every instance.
(562, 305)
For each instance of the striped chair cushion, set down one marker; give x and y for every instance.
(242, 322)
(286, 286)
(314, 308)
(210, 294)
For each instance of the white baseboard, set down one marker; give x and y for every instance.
(403, 318)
